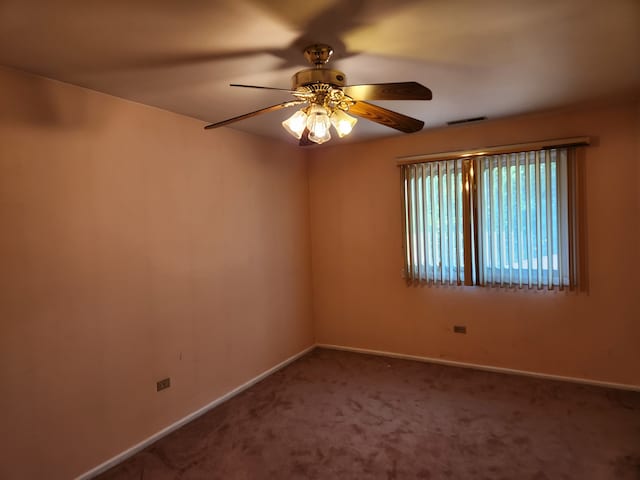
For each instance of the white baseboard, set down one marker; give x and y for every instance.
(103, 467)
(489, 368)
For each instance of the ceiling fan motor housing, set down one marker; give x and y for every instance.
(310, 76)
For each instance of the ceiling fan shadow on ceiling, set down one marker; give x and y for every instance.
(327, 101)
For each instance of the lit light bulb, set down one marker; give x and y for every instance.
(342, 122)
(296, 124)
(318, 124)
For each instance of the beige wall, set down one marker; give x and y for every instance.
(361, 300)
(135, 246)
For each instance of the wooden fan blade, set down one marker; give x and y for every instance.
(272, 108)
(386, 117)
(304, 139)
(262, 88)
(389, 91)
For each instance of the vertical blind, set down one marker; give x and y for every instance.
(500, 220)
(523, 219)
(433, 221)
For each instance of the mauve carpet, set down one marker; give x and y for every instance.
(339, 415)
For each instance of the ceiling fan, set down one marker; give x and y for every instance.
(326, 99)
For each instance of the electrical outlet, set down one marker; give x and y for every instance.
(162, 384)
(459, 329)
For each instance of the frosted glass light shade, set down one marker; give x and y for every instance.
(318, 124)
(296, 124)
(342, 122)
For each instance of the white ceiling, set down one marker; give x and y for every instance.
(480, 58)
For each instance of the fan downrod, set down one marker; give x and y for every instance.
(318, 54)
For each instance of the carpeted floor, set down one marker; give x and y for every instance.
(339, 415)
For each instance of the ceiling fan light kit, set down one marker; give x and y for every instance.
(326, 99)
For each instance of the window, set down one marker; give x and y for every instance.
(503, 220)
